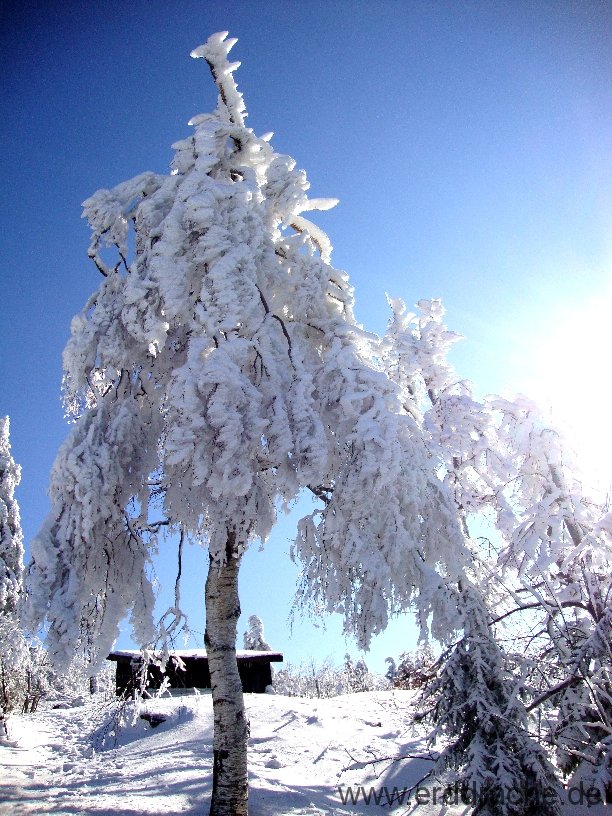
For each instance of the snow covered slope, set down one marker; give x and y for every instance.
(298, 748)
(303, 756)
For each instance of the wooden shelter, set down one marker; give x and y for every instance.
(188, 668)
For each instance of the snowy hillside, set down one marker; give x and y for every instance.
(303, 756)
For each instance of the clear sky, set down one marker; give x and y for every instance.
(469, 143)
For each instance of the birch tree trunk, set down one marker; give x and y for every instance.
(230, 783)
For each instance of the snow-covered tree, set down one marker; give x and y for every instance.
(498, 455)
(549, 572)
(391, 669)
(582, 698)
(475, 708)
(13, 647)
(558, 544)
(459, 430)
(357, 673)
(217, 372)
(254, 637)
(11, 537)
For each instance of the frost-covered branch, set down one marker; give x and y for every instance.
(215, 51)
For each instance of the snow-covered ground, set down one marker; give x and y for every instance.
(303, 755)
(70, 761)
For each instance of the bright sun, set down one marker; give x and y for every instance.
(570, 373)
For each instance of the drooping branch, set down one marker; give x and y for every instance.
(321, 492)
(280, 320)
(539, 605)
(572, 680)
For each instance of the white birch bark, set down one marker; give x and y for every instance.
(230, 782)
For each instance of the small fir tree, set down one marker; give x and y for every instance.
(477, 714)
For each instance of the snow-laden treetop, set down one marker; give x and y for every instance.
(217, 371)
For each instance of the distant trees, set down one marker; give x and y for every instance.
(327, 679)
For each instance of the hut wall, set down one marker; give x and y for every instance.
(255, 673)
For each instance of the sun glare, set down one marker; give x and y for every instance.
(570, 374)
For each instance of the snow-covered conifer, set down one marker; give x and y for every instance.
(13, 647)
(254, 637)
(476, 711)
(217, 371)
(11, 537)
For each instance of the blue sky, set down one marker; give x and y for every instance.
(469, 144)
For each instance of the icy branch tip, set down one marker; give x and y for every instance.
(397, 305)
(215, 51)
(322, 203)
(215, 47)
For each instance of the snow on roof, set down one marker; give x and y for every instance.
(244, 654)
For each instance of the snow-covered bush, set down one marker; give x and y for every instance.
(414, 669)
(14, 667)
(326, 680)
(78, 681)
(26, 677)
(38, 676)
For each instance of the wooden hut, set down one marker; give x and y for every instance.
(191, 670)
